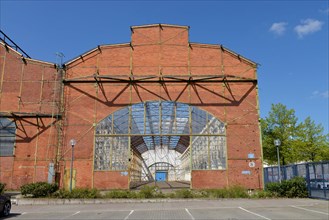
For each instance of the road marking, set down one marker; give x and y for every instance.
(254, 213)
(66, 217)
(310, 210)
(189, 213)
(131, 212)
(75, 213)
(24, 213)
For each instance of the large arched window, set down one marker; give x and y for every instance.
(180, 131)
(7, 137)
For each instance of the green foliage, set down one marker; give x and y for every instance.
(121, 194)
(78, 193)
(184, 193)
(150, 192)
(312, 144)
(281, 123)
(262, 194)
(2, 188)
(38, 189)
(295, 187)
(275, 188)
(230, 192)
(299, 141)
(237, 192)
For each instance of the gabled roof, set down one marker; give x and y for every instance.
(219, 46)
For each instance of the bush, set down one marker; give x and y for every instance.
(148, 192)
(230, 192)
(295, 187)
(262, 194)
(39, 189)
(120, 194)
(274, 188)
(184, 193)
(78, 193)
(2, 188)
(237, 192)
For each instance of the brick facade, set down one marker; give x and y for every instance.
(84, 100)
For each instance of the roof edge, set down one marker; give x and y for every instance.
(159, 25)
(220, 46)
(26, 58)
(93, 50)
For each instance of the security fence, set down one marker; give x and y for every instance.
(316, 175)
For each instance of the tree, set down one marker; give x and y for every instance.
(299, 142)
(312, 144)
(281, 123)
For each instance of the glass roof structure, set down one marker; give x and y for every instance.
(159, 123)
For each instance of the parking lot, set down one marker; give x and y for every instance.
(180, 209)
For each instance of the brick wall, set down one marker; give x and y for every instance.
(28, 87)
(154, 50)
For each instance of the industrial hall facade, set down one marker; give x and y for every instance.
(157, 109)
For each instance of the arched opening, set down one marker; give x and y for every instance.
(159, 138)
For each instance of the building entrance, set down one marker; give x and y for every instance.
(161, 176)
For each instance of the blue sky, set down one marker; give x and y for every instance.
(289, 39)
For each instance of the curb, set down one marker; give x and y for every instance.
(45, 201)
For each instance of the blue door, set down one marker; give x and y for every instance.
(160, 176)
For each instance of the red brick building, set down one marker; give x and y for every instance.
(157, 108)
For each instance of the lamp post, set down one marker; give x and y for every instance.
(277, 143)
(72, 142)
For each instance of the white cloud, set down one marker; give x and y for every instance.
(278, 28)
(324, 94)
(308, 26)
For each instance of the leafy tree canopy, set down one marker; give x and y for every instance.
(303, 141)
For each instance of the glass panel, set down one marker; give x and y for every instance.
(121, 121)
(7, 137)
(200, 152)
(105, 126)
(120, 153)
(111, 153)
(199, 121)
(163, 124)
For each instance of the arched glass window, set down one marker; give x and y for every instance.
(7, 137)
(165, 129)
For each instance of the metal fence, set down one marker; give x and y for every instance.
(316, 175)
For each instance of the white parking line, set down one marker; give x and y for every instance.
(131, 212)
(66, 217)
(76, 213)
(189, 213)
(310, 210)
(254, 213)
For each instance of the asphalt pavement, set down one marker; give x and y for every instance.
(178, 209)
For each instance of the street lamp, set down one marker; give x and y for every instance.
(72, 142)
(277, 143)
